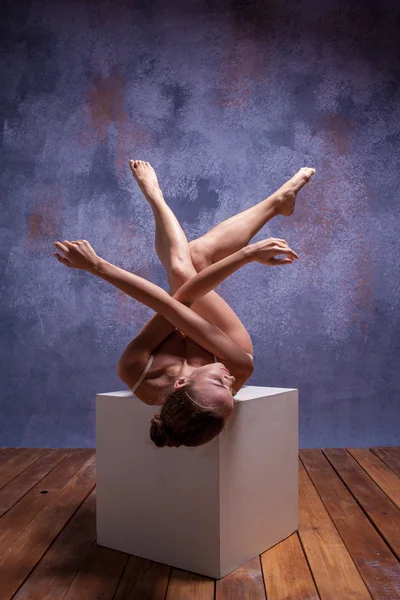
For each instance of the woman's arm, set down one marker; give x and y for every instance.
(208, 279)
(80, 255)
(200, 330)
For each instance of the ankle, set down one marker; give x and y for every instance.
(273, 203)
(153, 194)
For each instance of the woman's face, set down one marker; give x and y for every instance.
(215, 380)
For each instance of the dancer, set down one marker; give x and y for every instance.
(170, 362)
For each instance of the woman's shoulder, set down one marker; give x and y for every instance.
(150, 392)
(166, 364)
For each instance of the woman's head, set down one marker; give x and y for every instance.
(195, 408)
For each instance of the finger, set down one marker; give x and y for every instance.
(282, 250)
(286, 245)
(61, 247)
(62, 259)
(281, 261)
(68, 244)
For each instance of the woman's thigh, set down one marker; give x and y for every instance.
(212, 307)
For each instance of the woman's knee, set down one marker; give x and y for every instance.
(200, 254)
(178, 274)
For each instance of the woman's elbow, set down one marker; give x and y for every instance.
(250, 370)
(246, 370)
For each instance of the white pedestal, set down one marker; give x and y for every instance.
(208, 509)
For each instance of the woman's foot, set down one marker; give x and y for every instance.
(146, 177)
(286, 195)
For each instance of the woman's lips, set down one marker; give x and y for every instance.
(225, 369)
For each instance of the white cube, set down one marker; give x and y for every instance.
(208, 509)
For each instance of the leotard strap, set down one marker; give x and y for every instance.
(135, 387)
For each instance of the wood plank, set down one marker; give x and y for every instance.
(18, 462)
(383, 476)
(34, 541)
(7, 453)
(11, 493)
(390, 456)
(379, 508)
(55, 573)
(184, 585)
(246, 582)
(143, 579)
(333, 569)
(14, 522)
(376, 563)
(99, 575)
(286, 573)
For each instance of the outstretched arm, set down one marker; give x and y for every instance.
(176, 309)
(80, 255)
(205, 281)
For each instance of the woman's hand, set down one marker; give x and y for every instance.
(78, 255)
(265, 250)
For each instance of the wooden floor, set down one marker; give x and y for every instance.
(347, 546)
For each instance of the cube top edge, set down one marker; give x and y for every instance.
(246, 393)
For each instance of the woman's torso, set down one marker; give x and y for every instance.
(168, 359)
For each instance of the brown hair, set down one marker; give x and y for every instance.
(186, 418)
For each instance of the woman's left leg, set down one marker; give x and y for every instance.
(171, 243)
(173, 250)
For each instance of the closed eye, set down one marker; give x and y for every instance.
(222, 381)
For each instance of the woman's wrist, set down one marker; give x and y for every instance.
(97, 267)
(248, 252)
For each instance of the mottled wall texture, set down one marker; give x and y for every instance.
(226, 100)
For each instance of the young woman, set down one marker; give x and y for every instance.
(194, 354)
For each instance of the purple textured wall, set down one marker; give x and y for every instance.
(227, 100)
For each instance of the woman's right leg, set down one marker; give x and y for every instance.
(236, 232)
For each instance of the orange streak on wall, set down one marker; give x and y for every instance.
(132, 140)
(45, 218)
(105, 101)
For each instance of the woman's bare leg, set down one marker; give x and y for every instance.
(173, 251)
(182, 260)
(236, 232)
(171, 242)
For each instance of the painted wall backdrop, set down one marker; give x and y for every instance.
(227, 100)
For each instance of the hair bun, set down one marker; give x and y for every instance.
(159, 434)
